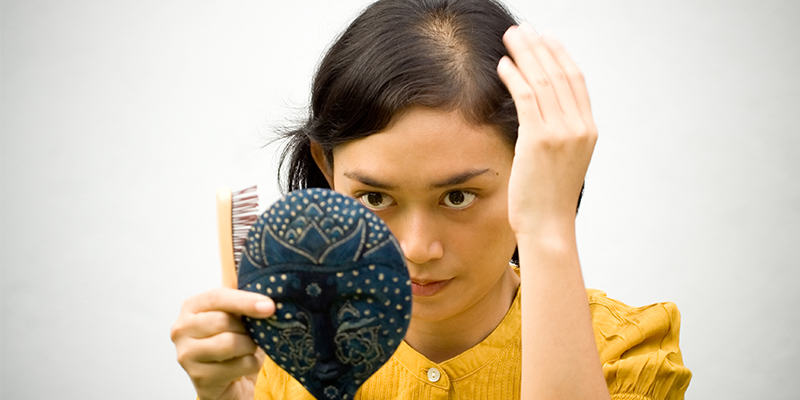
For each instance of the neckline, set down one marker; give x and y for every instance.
(505, 334)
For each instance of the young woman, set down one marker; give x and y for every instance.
(470, 136)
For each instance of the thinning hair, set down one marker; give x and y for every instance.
(397, 54)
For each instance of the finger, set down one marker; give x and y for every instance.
(260, 354)
(221, 347)
(524, 99)
(210, 323)
(232, 301)
(522, 43)
(242, 366)
(563, 101)
(557, 75)
(574, 76)
(226, 371)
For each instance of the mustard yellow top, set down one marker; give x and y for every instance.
(638, 348)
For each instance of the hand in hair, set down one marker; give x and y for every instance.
(213, 346)
(557, 133)
(555, 142)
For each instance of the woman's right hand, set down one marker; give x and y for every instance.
(213, 346)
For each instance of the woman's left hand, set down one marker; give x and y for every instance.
(554, 146)
(556, 131)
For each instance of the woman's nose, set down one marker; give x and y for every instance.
(419, 239)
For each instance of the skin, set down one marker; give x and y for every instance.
(526, 196)
(555, 144)
(457, 252)
(213, 346)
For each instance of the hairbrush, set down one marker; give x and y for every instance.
(236, 212)
(341, 289)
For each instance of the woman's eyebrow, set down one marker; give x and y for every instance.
(366, 180)
(451, 181)
(459, 179)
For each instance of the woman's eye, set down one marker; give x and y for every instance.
(458, 199)
(376, 201)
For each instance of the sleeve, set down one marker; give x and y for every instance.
(639, 349)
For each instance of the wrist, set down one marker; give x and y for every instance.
(550, 226)
(550, 245)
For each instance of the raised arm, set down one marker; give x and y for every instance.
(555, 144)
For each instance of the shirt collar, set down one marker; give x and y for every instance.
(506, 334)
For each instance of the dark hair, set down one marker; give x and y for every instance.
(397, 54)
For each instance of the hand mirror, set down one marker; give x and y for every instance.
(340, 285)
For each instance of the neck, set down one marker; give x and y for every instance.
(442, 340)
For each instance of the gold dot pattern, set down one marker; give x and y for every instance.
(318, 247)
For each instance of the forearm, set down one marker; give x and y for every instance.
(560, 359)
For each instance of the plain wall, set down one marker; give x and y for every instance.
(121, 118)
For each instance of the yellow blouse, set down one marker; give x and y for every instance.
(638, 348)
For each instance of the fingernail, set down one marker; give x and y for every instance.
(264, 306)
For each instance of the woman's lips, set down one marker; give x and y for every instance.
(427, 288)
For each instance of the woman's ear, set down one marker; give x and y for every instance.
(322, 162)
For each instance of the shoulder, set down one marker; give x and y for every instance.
(613, 316)
(639, 347)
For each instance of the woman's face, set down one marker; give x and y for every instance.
(441, 185)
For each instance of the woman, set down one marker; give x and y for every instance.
(470, 137)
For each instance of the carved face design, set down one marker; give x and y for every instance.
(340, 285)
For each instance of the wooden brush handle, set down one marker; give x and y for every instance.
(225, 232)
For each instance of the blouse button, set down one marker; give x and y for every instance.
(434, 375)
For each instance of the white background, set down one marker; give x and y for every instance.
(121, 118)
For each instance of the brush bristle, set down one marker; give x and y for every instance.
(244, 210)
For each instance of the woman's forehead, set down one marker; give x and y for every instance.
(430, 139)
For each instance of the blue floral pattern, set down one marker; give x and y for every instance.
(340, 285)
